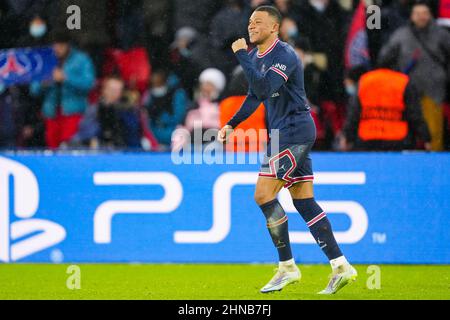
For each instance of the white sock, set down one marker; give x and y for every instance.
(338, 262)
(287, 265)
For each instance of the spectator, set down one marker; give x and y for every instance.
(37, 33)
(20, 122)
(385, 114)
(65, 98)
(288, 30)
(205, 112)
(351, 79)
(238, 84)
(158, 16)
(9, 109)
(422, 50)
(111, 123)
(314, 77)
(166, 106)
(15, 16)
(229, 24)
(189, 56)
(129, 112)
(212, 83)
(393, 16)
(93, 36)
(324, 23)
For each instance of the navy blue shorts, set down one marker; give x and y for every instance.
(292, 164)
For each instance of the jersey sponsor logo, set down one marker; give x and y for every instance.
(26, 236)
(280, 69)
(280, 66)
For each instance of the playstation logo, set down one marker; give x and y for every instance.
(27, 235)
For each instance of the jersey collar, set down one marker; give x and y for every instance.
(268, 50)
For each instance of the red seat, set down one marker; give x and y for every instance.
(133, 65)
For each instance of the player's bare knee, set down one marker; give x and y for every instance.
(262, 197)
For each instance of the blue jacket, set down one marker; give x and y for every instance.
(163, 126)
(80, 78)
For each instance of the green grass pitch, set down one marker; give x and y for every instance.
(220, 281)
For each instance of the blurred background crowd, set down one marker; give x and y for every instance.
(137, 70)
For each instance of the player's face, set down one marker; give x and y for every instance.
(260, 26)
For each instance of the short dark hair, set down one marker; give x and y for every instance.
(272, 11)
(162, 72)
(421, 3)
(416, 3)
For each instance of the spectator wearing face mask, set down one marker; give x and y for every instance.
(351, 80)
(37, 33)
(189, 54)
(166, 104)
(65, 97)
(288, 30)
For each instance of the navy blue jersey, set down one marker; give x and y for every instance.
(276, 78)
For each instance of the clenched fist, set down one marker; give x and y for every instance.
(224, 133)
(239, 44)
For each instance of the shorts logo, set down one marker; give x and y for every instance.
(25, 188)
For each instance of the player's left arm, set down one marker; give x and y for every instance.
(265, 84)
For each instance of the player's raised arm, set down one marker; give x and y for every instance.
(265, 84)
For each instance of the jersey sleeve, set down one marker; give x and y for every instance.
(263, 85)
(249, 106)
(284, 64)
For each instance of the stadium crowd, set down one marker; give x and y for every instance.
(138, 70)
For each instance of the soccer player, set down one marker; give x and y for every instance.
(275, 76)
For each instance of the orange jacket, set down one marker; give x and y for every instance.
(251, 134)
(381, 95)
